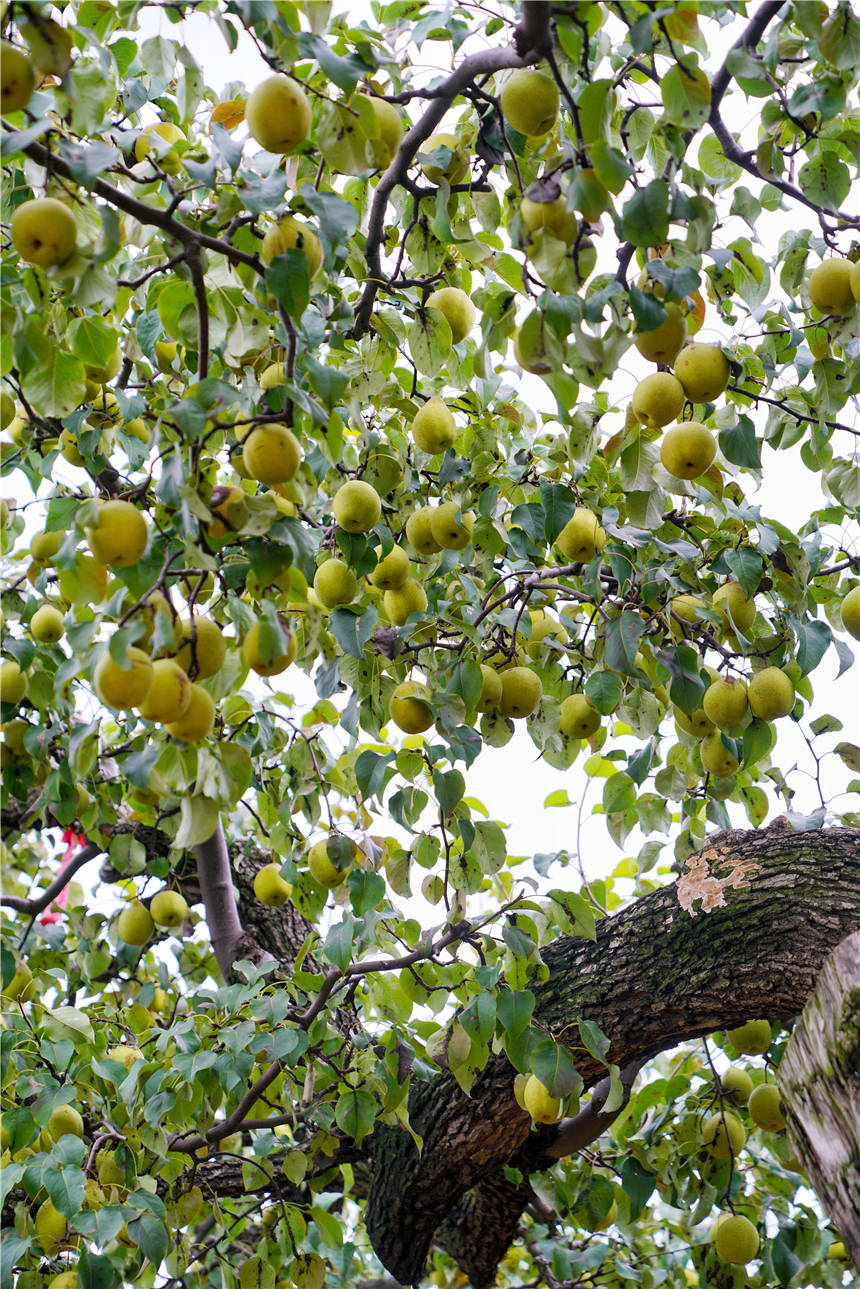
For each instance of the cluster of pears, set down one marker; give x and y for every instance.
(701, 374)
(329, 862)
(137, 922)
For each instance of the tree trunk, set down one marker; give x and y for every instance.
(741, 935)
(819, 1080)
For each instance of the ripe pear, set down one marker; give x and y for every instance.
(409, 708)
(168, 909)
(725, 702)
(392, 570)
(7, 408)
(764, 1107)
(17, 78)
(491, 689)
(50, 1229)
(577, 718)
(703, 370)
(278, 114)
(169, 695)
(335, 583)
(123, 688)
(457, 309)
(716, 757)
(330, 860)
(65, 1280)
(49, 45)
(13, 682)
(46, 624)
(735, 607)
(687, 450)
(198, 720)
(658, 399)
(736, 1239)
(449, 531)
(582, 537)
(752, 1038)
(44, 547)
(543, 626)
(771, 694)
(270, 887)
(458, 165)
(722, 1139)
(229, 506)
(65, 1121)
(288, 233)
(433, 427)
(202, 647)
(120, 535)
(356, 506)
(736, 1083)
(538, 1102)
(850, 611)
(22, 986)
(135, 925)
(830, 287)
(402, 601)
(521, 692)
(697, 726)
(281, 661)
(43, 231)
(552, 215)
(419, 531)
(153, 140)
(529, 101)
(662, 344)
(271, 454)
(686, 608)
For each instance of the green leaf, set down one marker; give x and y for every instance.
(619, 794)
(638, 1184)
(288, 279)
(747, 566)
(366, 890)
(645, 217)
(352, 629)
(686, 93)
(622, 642)
(514, 1010)
(355, 1113)
(813, 639)
(430, 342)
(739, 444)
(337, 947)
(603, 689)
(198, 820)
(553, 1065)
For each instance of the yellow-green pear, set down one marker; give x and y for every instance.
(736, 1239)
(771, 694)
(290, 233)
(169, 695)
(433, 427)
(662, 344)
(703, 370)
(168, 909)
(123, 688)
(697, 725)
(752, 1038)
(65, 1121)
(50, 1228)
(725, 702)
(716, 757)
(43, 231)
(457, 309)
(392, 570)
(735, 607)
(120, 534)
(850, 611)
(46, 624)
(688, 449)
(491, 689)
(577, 718)
(521, 692)
(539, 1103)
(723, 1134)
(135, 925)
(419, 531)
(736, 1083)
(409, 707)
(270, 887)
(582, 537)
(278, 114)
(457, 167)
(271, 454)
(253, 656)
(529, 101)
(17, 78)
(356, 506)
(13, 682)
(449, 531)
(330, 860)
(402, 601)
(658, 399)
(830, 287)
(335, 583)
(202, 647)
(764, 1107)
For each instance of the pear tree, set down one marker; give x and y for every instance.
(404, 391)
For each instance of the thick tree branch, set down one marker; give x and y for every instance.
(530, 41)
(229, 941)
(38, 904)
(748, 39)
(741, 935)
(575, 1134)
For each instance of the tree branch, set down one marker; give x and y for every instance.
(530, 41)
(229, 941)
(575, 1134)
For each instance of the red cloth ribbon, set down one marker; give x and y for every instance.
(74, 841)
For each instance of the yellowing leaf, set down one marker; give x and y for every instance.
(230, 113)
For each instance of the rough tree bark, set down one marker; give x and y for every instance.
(819, 1081)
(742, 934)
